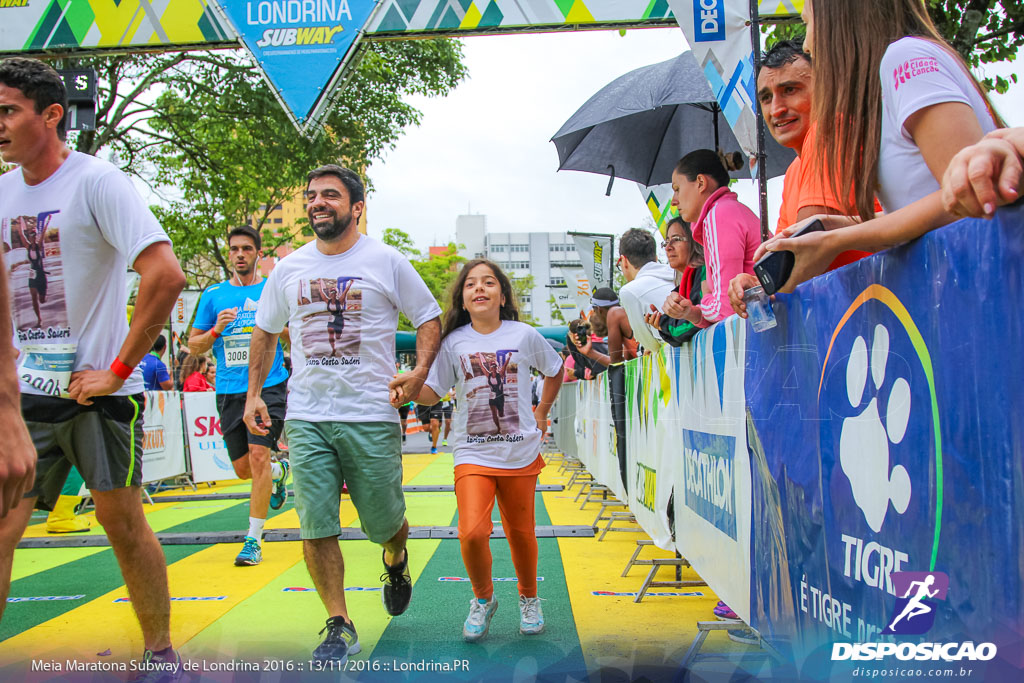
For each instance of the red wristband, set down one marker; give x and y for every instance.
(120, 369)
(214, 333)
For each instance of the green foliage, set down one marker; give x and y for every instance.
(556, 313)
(400, 240)
(437, 271)
(208, 135)
(523, 287)
(982, 31)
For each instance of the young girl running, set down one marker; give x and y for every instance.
(482, 344)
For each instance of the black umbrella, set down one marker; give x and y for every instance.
(638, 126)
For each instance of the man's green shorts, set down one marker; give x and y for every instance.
(365, 455)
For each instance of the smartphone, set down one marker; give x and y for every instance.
(583, 333)
(775, 267)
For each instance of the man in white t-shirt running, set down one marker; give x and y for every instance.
(81, 390)
(340, 424)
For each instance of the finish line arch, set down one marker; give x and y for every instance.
(286, 37)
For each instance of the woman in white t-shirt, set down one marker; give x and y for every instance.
(487, 355)
(887, 84)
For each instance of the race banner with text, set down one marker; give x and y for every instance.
(718, 32)
(596, 254)
(596, 441)
(652, 443)
(712, 479)
(210, 460)
(184, 309)
(163, 441)
(300, 45)
(886, 432)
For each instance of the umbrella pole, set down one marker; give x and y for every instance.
(762, 166)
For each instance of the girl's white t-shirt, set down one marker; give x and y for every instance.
(493, 421)
(917, 73)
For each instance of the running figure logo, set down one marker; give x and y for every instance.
(492, 390)
(332, 328)
(914, 612)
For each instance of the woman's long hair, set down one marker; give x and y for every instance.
(456, 316)
(193, 363)
(850, 39)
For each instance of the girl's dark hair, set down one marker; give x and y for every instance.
(456, 315)
(696, 250)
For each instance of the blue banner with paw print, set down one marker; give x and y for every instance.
(886, 430)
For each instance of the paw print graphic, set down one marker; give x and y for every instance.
(864, 440)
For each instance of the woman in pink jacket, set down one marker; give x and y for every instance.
(729, 232)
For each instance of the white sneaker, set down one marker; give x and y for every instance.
(532, 618)
(479, 619)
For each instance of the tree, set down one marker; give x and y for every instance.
(522, 287)
(982, 31)
(437, 270)
(400, 240)
(556, 312)
(208, 135)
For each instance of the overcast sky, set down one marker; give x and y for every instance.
(485, 148)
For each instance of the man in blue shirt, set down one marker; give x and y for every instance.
(224, 321)
(154, 372)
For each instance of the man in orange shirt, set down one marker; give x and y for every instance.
(784, 86)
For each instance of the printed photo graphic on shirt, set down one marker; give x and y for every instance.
(491, 383)
(332, 319)
(36, 275)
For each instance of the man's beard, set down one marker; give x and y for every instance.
(333, 230)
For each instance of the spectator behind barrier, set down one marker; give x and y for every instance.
(647, 283)
(682, 313)
(910, 108)
(583, 367)
(194, 372)
(728, 231)
(986, 175)
(610, 318)
(784, 86)
(154, 372)
(179, 378)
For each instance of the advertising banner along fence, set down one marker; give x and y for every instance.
(854, 475)
(163, 443)
(887, 443)
(210, 461)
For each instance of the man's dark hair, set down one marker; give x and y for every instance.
(703, 162)
(782, 53)
(39, 83)
(247, 231)
(160, 344)
(604, 294)
(638, 246)
(349, 178)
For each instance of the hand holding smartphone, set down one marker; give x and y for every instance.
(774, 268)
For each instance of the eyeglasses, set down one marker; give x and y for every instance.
(673, 241)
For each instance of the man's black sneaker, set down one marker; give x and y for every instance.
(341, 641)
(397, 586)
(156, 668)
